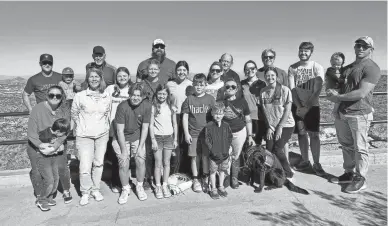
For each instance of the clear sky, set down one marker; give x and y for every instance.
(198, 32)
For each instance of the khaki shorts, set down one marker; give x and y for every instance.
(132, 149)
(223, 166)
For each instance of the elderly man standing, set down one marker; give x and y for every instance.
(99, 56)
(227, 62)
(268, 58)
(167, 66)
(356, 114)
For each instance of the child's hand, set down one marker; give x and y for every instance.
(278, 132)
(269, 134)
(188, 138)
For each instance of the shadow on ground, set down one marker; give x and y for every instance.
(368, 208)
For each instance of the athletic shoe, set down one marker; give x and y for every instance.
(115, 189)
(67, 197)
(141, 193)
(226, 181)
(42, 206)
(124, 196)
(358, 184)
(147, 185)
(197, 186)
(158, 192)
(97, 196)
(166, 191)
(205, 184)
(84, 199)
(214, 194)
(234, 183)
(318, 169)
(51, 201)
(347, 177)
(222, 192)
(303, 166)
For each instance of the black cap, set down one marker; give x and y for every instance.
(98, 50)
(46, 57)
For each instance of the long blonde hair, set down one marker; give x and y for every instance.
(155, 101)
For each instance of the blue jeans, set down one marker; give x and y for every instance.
(48, 170)
(352, 134)
(91, 152)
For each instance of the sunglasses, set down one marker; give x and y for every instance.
(159, 46)
(363, 46)
(68, 75)
(250, 69)
(216, 70)
(57, 96)
(269, 57)
(47, 62)
(232, 86)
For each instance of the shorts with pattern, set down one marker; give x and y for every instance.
(223, 166)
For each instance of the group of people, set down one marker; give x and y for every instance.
(169, 123)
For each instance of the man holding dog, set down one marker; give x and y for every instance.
(356, 114)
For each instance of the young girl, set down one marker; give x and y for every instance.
(164, 137)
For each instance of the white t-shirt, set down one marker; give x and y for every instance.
(115, 103)
(274, 108)
(305, 78)
(178, 92)
(212, 89)
(163, 121)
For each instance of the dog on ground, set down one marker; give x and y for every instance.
(264, 164)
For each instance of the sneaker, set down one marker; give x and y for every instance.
(141, 193)
(67, 197)
(234, 183)
(158, 192)
(197, 186)
(344, 178)
(318, 169)
(84, 199)
(303, 166)
(205, 184)
(124, 196)
(214, 194)
(42, 206)
(51, 201)
(115, 189)
(166, 191)
(97, 196)
(147, 185)
(358, 184)
(222, 192)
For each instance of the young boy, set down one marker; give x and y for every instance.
(48, 164)
(69, 85)
(218, 139)
(195, 110)
(333, 77)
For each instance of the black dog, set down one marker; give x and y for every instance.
(266, 165)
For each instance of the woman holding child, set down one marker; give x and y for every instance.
(43, 176)
(276, 101)
(237, 115)
(91, 114)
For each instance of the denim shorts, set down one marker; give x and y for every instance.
(165, 142)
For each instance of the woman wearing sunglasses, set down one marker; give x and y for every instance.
(42, 116)
(276, 101)
(214, 79)
(251, 87)
(118, 93)
(91, 114)
(237, 115)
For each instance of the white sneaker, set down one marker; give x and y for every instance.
(124, 196)
(97, 196)
(141, 193)
(115, 189)
(166, 191)
(84, 200)
(158, 192)
(197, 187)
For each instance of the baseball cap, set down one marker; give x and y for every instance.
(98, 50)
(158, 42)
(46, 57)
(67, 71)
(368, 40)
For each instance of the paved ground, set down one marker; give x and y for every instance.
(326, 205)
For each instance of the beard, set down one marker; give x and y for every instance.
(160, 56)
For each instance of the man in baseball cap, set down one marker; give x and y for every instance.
(356, 114)
(99, 56)
(167, 66)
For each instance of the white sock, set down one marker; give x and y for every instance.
(139, 183)
(126, 187)
(158, 185)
